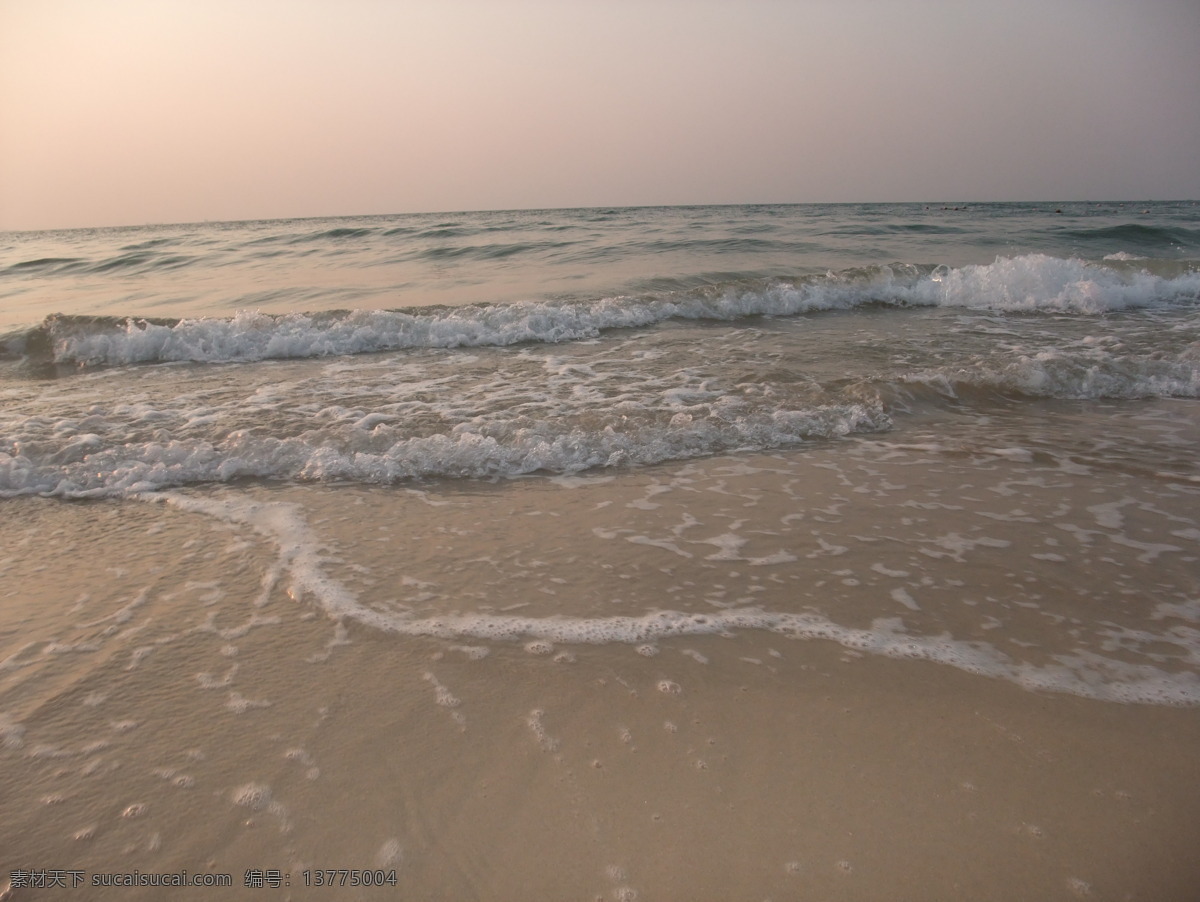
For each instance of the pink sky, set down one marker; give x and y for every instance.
(135, 111)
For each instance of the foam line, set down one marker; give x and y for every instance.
(1082, 674)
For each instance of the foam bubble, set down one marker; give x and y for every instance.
(255, 796)
(239, 704)
(390, 854)
(443, 695)
(1079, 888)
(472, 652)
(544, 739)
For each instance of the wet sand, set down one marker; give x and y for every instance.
(243, 678)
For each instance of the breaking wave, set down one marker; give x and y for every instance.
(1032, 283)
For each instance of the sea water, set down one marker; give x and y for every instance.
(952, 436)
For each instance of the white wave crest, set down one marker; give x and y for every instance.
(1018, 284)
(1036, 282)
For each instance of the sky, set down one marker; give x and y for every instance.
(124, 112)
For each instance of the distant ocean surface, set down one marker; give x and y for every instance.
(379, 349)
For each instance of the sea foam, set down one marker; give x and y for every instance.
(467, 451)
(1083, 674)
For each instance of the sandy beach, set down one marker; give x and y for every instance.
(259, 687)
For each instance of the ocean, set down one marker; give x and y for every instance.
(804, 551)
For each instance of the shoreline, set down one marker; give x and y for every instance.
(199, 685)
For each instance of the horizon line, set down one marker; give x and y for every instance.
(951, 205)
